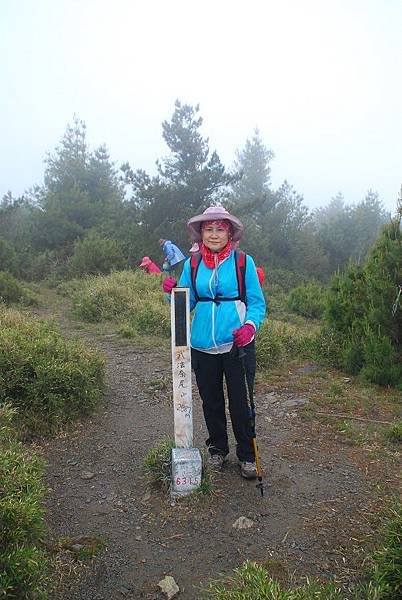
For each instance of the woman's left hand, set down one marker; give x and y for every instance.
(243, 335)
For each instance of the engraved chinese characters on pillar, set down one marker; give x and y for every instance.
(183, 411)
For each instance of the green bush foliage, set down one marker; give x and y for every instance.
(35, 266)
(157, 467)
(131, 298)
(95, 254)
(8, 258)
(23, 562)
(157, 463)
(383, 580)
(252, 581)
(394, 433)
(359, 310)
(386, 571)
(49, 379)
(278, 341)
(307, 300)
(283, 279)
(328, 346)
(12, 291)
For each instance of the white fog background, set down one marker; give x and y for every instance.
(321, 79)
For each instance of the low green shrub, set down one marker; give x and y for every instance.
(382, 581)
(269, 347)
(360, 307)
(328, 346)
(252, 581)
(275, 299)
(283, 279)
(23, 561)
(371, 355)
(394, 433)
(307, 300)
(133, 298)
(36, 266)
(386, 567)
(8, 257)
(157, 463)
(49, 379)
(95, 254)
(381, 360)
(278, 341)
(13, 291)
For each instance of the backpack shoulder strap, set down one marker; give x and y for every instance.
(194, 264)
(240, 260)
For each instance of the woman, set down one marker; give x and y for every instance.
(173, 255)
(222, 320)
(148, 266)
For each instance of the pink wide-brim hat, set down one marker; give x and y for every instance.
(145, 261)
(214, 213)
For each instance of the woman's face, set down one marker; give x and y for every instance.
(215, 237)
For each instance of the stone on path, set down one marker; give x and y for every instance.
(243, 523)
(87, 475)
(293, 402)
(169, 587)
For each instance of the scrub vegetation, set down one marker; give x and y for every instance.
(48, 379)
(157, 467)
(23, 559)
(45, 382)
(131, 299)
(13, 291)
(383, 580)
(333, 291)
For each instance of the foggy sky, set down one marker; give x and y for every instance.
(320, 79)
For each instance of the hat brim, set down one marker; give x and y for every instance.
(194, 225)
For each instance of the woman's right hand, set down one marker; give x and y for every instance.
(168, 284)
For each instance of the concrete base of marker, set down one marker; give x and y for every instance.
(186, 471)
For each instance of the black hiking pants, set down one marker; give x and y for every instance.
(209, 372)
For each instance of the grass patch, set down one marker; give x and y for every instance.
(157, 467)
(382, 580)
(82, 548)
(334, 398)
(252, 581)
(394, 433)
(132, 299)
(308, 300)
(23, 561)
(157, 463)
(49, 379)
(278, 341)
(384, 574)
(13, 291)
(157, 384)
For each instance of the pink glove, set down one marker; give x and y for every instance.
(243, 335)
(168, 284)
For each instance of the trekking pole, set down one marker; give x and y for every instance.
(251, 408)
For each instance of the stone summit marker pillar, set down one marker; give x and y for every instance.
(186, 460)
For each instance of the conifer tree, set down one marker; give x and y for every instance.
(365, 308)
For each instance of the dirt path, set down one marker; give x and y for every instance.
(310, 521)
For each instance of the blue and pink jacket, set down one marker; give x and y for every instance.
(214, 321)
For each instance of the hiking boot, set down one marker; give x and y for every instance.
(217, 461)
(248, 470)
